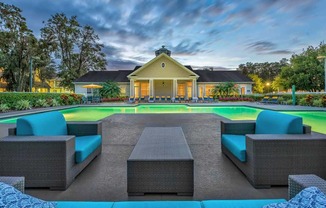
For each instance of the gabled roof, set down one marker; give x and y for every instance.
(103, 76)
(221, 76)
(137, 69)
(204, 76)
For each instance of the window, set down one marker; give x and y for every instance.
(181, 90)
(144, 89)
(209, 90)
(163, 65)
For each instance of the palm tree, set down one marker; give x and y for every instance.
(110, 90)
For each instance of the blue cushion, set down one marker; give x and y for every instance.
(42, 124)
(83, 204)
(271, 122)
(254, 203)
(11, 197)
(157, 204)
(310, 197)
(85, 145)
(236, 144)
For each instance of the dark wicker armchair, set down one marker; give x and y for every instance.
(271, 158)
(48, 161)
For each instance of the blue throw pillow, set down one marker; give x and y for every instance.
(12, 198)
(310, 197)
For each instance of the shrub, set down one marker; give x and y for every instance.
(23, 105)
(323, 100)
(42, 103)
(280, 100)
(309, 99)
(289, 102)
(302, 101)
(4, 108)
(55, 103)
(317, 103)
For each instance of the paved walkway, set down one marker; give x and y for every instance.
(216, 177)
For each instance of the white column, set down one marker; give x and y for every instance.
(194, 88)
(204, 90)
(151, 88)
(174, 88)
(132, 88)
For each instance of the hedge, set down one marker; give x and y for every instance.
(11, 98)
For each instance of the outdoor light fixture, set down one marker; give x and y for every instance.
(267, 84)
(321, 58)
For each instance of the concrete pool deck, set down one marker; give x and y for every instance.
(216, 177)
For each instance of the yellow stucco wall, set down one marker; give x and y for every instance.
(155, 70)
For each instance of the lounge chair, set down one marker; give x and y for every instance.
(131, 99)
(157, 98)
(176, 99)
(182, 98)
(206, 99)
(273, 100)
(265, 100)
(168, 98)
(142, 99)
(151, 99)
(163, 99)
(200, 99)
(48, 151)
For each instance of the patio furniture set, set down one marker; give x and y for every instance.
(50, 152)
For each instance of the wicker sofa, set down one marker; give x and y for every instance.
(48, 151)
(272, 148)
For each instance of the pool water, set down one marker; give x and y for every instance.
(316, 119)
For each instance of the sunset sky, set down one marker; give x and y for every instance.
(214, 33)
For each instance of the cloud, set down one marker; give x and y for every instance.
(121, 64)
(261, 46)
(265, 47)
(281, 52)
(186, 47)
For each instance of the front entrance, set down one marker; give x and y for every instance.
(163, 88)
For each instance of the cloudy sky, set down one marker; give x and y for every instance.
(214, 33)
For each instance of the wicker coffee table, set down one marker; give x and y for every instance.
(161, 162)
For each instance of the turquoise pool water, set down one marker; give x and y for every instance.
(317, 119)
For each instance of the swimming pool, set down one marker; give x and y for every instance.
(317, 119)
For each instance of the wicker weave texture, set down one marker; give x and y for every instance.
(271, 158)
(299, 182)
(44, 161)
(17, 182)
(161, 162)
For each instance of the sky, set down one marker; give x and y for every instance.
(200, 33)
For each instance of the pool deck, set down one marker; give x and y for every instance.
(216, 177)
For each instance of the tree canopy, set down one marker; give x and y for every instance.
(76, 47)
(66, 49)
(305, 71)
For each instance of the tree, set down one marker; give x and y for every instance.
(266, 71)
(258, 83)
(77, 48)
(277, 84)
(225, 89)
(305, 71)
(110, 90)
(17, 46)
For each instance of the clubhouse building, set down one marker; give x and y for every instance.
(164, 76)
